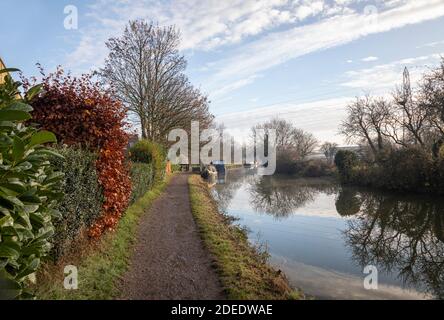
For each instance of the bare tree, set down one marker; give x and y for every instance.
(366, 120)
(288, 138)
(284, 132)
(412, 118)
(329, 149)
(374, 122)
(431, 96)
(303, 142)
(146, 69)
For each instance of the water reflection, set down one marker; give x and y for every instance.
(280, 197)
(398, 234)
(348, 202)
(331, 229)
(225, 191)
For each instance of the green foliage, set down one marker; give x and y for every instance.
(83, 199)
(145, 151)
(142, 178)
(29, 191)
(345, 161)
(407, 169)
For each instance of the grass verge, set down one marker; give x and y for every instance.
(101, 265)
(243, 270)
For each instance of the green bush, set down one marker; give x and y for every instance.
(145, 151)
(142, 178)
(83, 199)
(29, 191)
(345, 161)
(406, 169)
(175, 168)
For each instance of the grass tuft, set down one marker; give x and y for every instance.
(241, 267)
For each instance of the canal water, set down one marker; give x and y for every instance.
(323, 236)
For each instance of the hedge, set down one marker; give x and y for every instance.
(142, 179)
(145, 151)
(82, 112)
(83, 199)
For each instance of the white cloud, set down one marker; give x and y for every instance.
(258, 35)
(233, 86)
(279, 47)
(385, 77)
(431, 44)
(370, 59)
(322, 118)
(204, 25)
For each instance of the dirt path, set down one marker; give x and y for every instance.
(169, 260)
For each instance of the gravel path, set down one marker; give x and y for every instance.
(169, 260)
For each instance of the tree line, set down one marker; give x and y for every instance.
(409, 118)
(401, 137)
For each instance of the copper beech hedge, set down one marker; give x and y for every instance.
(81, 112)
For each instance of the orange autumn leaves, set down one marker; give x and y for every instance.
(81, 112)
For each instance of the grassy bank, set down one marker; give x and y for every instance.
(101, 265)
(243, 270)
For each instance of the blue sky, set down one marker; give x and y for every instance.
(301, 60)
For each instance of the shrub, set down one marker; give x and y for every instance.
(406, 169)
(317, 168)
(145, 151)
(29, 191)
(345, 161)
(81, 112)
(83, 199)
(286, 162)
(142, 178)
(177, 168)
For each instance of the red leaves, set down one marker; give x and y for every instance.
(80, 112)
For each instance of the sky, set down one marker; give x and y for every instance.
(299, 60)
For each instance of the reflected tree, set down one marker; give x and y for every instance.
(403, 236)
(280, 197)
(348, 202)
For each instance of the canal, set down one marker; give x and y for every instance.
(323, 235)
